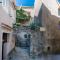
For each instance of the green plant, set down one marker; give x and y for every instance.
(32, 26)
(22, 15)
(16, 25)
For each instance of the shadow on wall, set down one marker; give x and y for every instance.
(52, 33)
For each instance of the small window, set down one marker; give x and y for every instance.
(4, 37)
(25, 35)
(48, 48)
(59, 22)
(59, 11)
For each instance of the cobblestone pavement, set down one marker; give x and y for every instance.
(21, 54)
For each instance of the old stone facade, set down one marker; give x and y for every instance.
(36, 40)
(7, 42)
(52, 33)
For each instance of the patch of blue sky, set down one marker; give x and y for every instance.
(25, 2)
(58, 1)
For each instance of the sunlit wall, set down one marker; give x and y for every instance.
(52, 5)
(37, 6)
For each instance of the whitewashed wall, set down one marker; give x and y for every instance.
(52, 5)
(37, 6)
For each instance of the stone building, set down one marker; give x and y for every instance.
(48, 18)
(46, 38)
(52, 33)
(35, 38)
(7, 18)
(36, 44)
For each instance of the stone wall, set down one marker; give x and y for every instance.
(52, 33)
(36, 39)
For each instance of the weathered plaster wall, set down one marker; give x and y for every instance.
(36, 39)
(52, 33)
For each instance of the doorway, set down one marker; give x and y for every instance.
(4, 44)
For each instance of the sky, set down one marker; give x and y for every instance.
(59, 1)
(25, 2)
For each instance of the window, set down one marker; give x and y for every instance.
(59, 23)
(25, 35)
(59, 11)
(4, 37)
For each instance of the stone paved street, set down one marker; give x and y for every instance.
(21, 54)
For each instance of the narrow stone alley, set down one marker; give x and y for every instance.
(21, 54)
